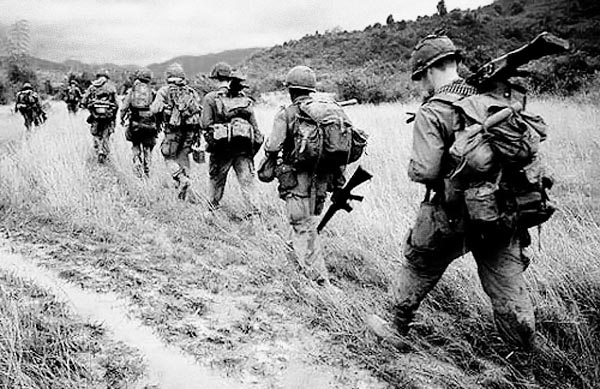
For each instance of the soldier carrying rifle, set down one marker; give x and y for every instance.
(475, 150)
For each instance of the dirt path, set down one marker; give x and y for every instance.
(167, 366)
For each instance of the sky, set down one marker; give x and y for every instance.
(146, 31)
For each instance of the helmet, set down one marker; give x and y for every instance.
(73, 82)
(27, 86)
(175, 70)
(102, 73)
(144, 74)
(301, 77)
(221, 70)
(428, 51)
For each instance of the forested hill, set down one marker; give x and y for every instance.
(372, 64)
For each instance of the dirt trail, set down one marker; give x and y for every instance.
(167, 366)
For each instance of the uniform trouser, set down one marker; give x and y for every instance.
(142, 157)
(175, 148)
(72, 107)
(101, 131)
(28, 117)
(500, 268)
(219, 165)
(304, 237)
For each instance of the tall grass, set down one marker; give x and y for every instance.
(50, 185)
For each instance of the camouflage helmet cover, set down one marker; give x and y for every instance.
(301, 77)
(73, 82)
(430, 50)
(27, 86)
(102, 73)
(144, 74)
(237, 75)
(175, 70)
(221, 70)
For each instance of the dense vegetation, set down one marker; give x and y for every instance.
(372, 65)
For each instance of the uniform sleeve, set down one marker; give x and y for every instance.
(253, 121)
(428, 147)
(158, 104)
(276, 139)
(208, 113)
(86, 97)
(125, 106)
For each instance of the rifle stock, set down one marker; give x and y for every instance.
(507, 65)
(342, 200)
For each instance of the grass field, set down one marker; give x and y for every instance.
(186, 270)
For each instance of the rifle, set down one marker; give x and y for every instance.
(507, 65)
(343, 197)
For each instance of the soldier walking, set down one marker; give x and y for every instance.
(304, 189)
(231, 133)
(28, 104)
(101, 101)
(142, 129)
(178, 109)
(73, 97)
(499, 256)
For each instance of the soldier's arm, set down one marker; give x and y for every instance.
(125, 106)
(207, 118)
(158, 103)
(275, 140)
(428, 148)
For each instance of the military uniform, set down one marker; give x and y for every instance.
(180, 133)
(304, 193)
(500, 259)
(223, 159)
(29, 106)
(73, 97)
(102, 91)
(142, 130)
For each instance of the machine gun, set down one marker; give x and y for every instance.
(507, 65)
(499, 70)
(343, 197)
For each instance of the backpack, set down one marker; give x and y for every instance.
(141, 96)
(27, 98)
(183, 105)
(237, 133)
(72, 94)
(496, 157)
(324, 136)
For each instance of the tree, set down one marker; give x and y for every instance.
(17, 45)
(441, 8)
(390, 20)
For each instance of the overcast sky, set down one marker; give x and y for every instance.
(146, 31)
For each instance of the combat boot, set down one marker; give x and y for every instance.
(184, 184)
(384, 331)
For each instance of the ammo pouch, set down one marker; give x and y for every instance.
(237, 135)
(482, 204)
(433, 229)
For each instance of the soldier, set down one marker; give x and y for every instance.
(178, 109)
(303, 190)
(500, 260)
(28, 104)
(101, 101)
(142, 130)
(73, 97)
(231, 133)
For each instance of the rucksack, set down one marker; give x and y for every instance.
(183, 105)
(141, 96)
(27, 98)
(496, 157)
(237, 133)
(324, 136)
(72, 94)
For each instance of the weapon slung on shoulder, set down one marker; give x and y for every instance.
(342, 199)
(507, 65)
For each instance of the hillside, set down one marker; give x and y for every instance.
(194, 64)
(374, 61)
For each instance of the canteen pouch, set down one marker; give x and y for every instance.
(433, 230)
(286, 175)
